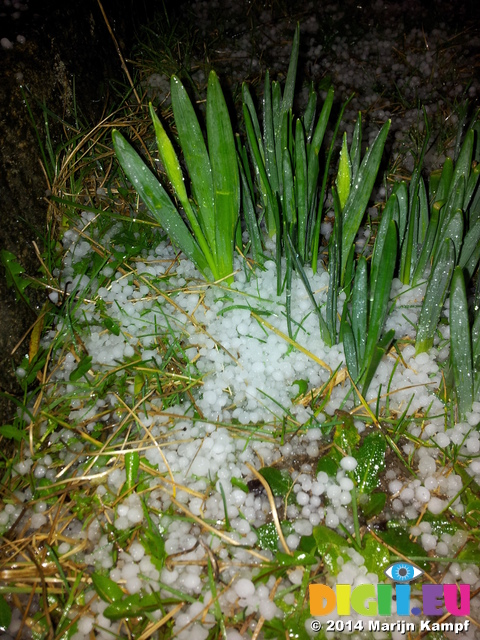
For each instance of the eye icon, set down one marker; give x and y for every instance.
(402, 572)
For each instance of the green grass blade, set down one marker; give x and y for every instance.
(382, 292)
(401, 216)
(289, 91)
(360, 193)
(309, 115)
(464, 162)
(469, 255)
(389, 214)
(356, 146)
(443, 189)
(454, 231)
(460, 342)
(428, 243)
(226, 182)
(334, 247)
(314, 148)
(269, 139)
(289, 208)
(301, 189)
(409, 247)
(196, 158)
(248, 101)
(437, 287)
(471, 187)
(248, 208)
(158, 202)
(350, 351)
(360, 307)
(423, 212)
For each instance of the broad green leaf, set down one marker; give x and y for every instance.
(196, 158)
(346, 435)
(298, 559)
(376, 556)
(82, 368)
(226, 181)
(437, 287)
(331, 547)
(360, 193)
(460, 343)
(278, 480)
(268, 537)
(158, 202)
(470, 553)
(328, 465)
(399, 539)
(371, 461)
(374, 505)
(133, 606)
(106, 588)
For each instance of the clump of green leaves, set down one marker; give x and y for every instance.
(212, 207)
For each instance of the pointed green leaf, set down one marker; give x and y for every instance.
(196, 158)
(460, 341)
(437, 287)
(158, 202)
(360, 193)
(226, 180)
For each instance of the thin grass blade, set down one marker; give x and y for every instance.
(301, 189)
(383, 287)
(360, 307)
(289, 91)
(460, 343)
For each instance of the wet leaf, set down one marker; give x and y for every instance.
(376, 555)
(133, 606)
(278, 480)
(374, 505)
(106, 589)
(371, 461)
